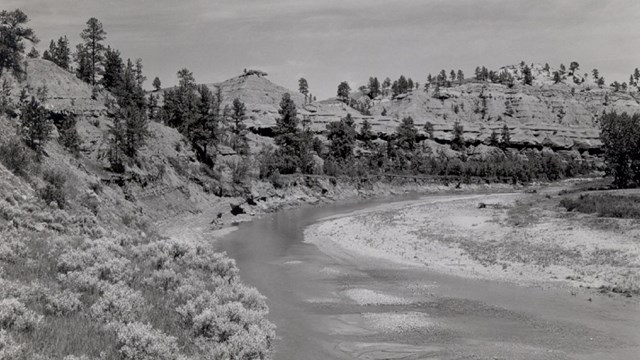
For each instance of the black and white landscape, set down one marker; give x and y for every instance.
(241, 180)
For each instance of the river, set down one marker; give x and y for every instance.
(418, 314)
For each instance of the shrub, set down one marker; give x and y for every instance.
(63, 303)
(137, 341)
(17, 157)
(54, 190)
(616, 206)
(119, 303)
(9, 348)
(15, 316)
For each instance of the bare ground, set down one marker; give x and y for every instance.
(521, 238)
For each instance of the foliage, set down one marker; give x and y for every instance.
(342, 138)
(59, 53)
(343, 91)
(54, 190)
(69, 137)
(239, 137)
(458, 142)
(406, 134)
(605, 205)
(35, 125)
(92, 36)
(17, 157)
(13, 32)
(620, 134)
(157, 85)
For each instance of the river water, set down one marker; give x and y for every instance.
(322, 304)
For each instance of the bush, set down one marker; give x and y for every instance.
(616, 206)
(119, 303)
(9, 348)
(54, 190)
(17, 157)
(15, 316)
(137, 341)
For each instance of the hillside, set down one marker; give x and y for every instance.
(560, 116)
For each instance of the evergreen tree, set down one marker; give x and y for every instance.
(601, 82)
(403, 85)
(69, 137)
(457, 143)
(547, 68)
(113, 69)
(93, 36)
(303, 87)
(140, 78)
(493, 139)
(452, 75)
(63, 55)
(12, 34)
(343, 91)
(556, 77)
(374, 87)
(428, 129)
(240, 144)
(33, 54)
(157, 85)
(409, 85)
(573, 67)
(636, 75)
(528, 76)
(83, 66)
(136, 130)
(35, 125)
(386, 85)
(366, 134)
(406, 134)
(596, 74)
(563, 69)
(6, 102)
(505, 137)
(342, 137)
(117, 135)
(288, 136)
(460, 77)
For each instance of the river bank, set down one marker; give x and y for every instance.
(519, 238)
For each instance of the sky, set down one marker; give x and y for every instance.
(329, 41)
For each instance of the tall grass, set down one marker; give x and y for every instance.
(604, 205)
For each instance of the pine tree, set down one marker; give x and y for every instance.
(428, 129)
(343, 91)
(556, 77)
(452, 75)
(493, 139)
(157, 85)
(406, 134)
(12, 34)
(33, 54)
(140, 78)
(596, 74)
(528, 77)
(457, 143)
(601, 82)
(547, 68)
(460, 77)
(69, 137)
(366, 134)
(374, 87)
(288, 136)
(136, 130)
(117, 135)
(573, 67)
(303, 87)
(59, 53)
(386, 85)
(342, 138)
(83, 63)
(35, 125)
(505, 137)
(113, 69)
(409, 85)
(93, 36)
(240, 144)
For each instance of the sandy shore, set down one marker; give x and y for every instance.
(521, 238)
